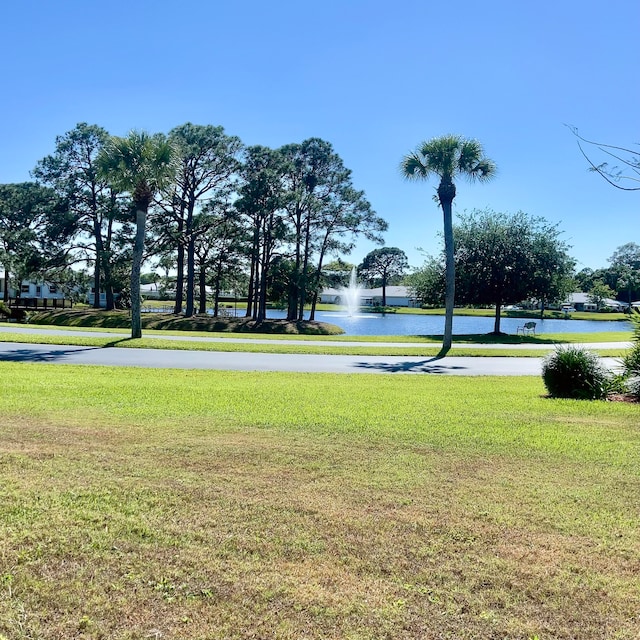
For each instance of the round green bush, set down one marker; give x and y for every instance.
(574, 372)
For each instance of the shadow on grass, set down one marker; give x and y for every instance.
(116, 343)
(489, 338)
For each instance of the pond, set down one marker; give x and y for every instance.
(392, 324)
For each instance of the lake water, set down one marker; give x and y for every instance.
(392, 324)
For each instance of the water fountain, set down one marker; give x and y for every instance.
(350, 295)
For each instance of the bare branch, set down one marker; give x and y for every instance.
(612, 175)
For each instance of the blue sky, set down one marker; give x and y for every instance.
(373, 78)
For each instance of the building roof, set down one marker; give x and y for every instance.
(579, 297)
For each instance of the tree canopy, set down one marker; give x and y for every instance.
(72, 170)
(384, 264)
(501, 258)
(35, 226)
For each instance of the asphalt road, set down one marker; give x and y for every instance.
(165, 358)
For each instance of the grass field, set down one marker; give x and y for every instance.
(222, 505)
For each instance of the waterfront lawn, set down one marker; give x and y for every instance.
(194, 504)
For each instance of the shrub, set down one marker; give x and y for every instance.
(631, 360)
(574, 372)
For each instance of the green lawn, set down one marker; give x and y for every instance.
(221, 505)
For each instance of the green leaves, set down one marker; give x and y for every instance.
(140, 164)
(448, 156)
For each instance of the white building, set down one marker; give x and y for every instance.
(581, 301)
(397, 296)
(34, 290)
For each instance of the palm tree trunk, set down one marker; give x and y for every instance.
(138, 249)
(446, 193)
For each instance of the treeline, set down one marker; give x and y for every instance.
(505, 258)
(232, 216)
(620, 279)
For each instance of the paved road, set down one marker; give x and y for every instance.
(165, 358)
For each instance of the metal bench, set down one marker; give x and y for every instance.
(527, 329)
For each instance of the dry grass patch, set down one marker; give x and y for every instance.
(123, 533)
(226, 505)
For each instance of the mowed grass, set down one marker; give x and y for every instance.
(217, 505)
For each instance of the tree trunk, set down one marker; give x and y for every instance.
(314, 302)
(179, 280)
(496, 324)
(202, 276)
(446, 194)
(108, 286)
(97, 234)
(250, 289)
(304, 283)
(384, 292)
(106, 259)
(191, 262)
(253, 275)
(5, 293)
(138, 250)
(262, 292)
(216, 289)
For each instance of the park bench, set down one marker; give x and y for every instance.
(528, 328)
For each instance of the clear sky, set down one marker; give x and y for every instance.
(372, 77)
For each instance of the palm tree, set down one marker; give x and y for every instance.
(448, 157)
(140, 164)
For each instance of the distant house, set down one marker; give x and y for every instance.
(150, 290)
(33, 289)
(581, 302)
(91, 296)
(34, 295)
(397, 296)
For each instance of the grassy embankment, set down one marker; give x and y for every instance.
(221, 505)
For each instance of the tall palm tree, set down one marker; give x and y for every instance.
(448, 157)
(140, 164)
